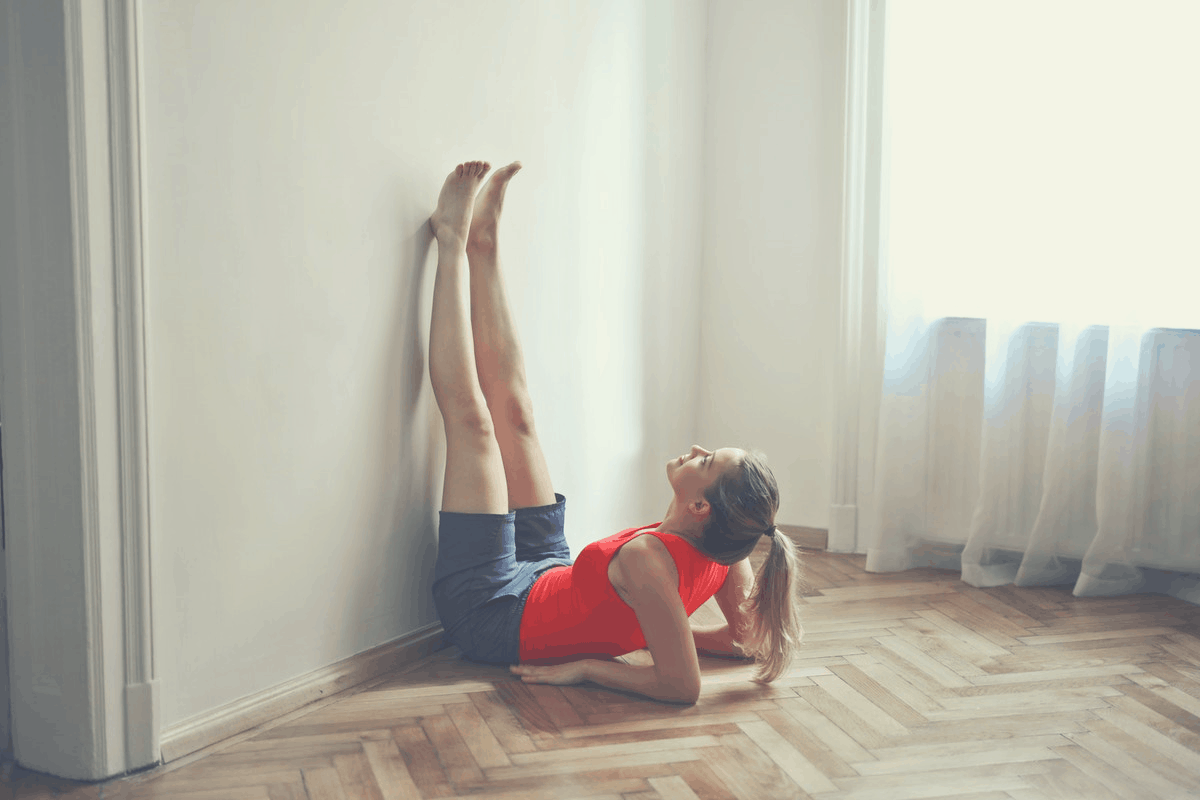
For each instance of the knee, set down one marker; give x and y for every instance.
(470, 420)
(516, 409)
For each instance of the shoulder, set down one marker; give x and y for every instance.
(645, 562)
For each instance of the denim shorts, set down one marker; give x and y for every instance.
(486, 565)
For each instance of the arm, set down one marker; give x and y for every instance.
(726, 639)
(650, 582)
(716, 640)
(648, 575)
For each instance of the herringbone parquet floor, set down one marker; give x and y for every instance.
(910, 685)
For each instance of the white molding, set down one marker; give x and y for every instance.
(217, 724)
(123, 19)
(93, 579)
(863, 316)
(84, 700)
(842, 522)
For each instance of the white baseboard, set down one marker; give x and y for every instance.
(202, 730)
(806, 538)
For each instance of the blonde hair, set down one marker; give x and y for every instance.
(744, 501)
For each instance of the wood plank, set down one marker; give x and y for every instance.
(287, 791)
(483, 745)
(814, 750)
(1115, 768)
(1153, 731)
(390, 772)
(998, 728)
(324, 783)
(955, 761)
(956, 629)
(1065, 781)
(421, 761)
(452, 751)
(566, 788)
(843, 594)
(604, 751)
(949, 653)
(556, 706)
(1133, 741)
(503, 724)
(844, 718)
(862, 705)
(747, 772)
(994, 627)
(525, 706)
(841, 743)
(659, 724)
(357, 777)
(195, 781)
(673, 787)
(879, 696)
(954, 783)
(559, 766)
(916, 652)
(1178, 707)
(612, 779)
(894, 682)
(1094, 636)
(701, 779)
(787, 758)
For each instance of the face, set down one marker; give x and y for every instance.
(693, 472)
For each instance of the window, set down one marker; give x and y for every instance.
(1044, 158)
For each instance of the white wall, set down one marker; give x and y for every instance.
(294, 153)
(772, 226)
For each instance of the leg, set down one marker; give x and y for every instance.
(474, 480)
(498, 358)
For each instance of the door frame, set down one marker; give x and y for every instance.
(82, 679)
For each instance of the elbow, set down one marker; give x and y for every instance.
(685, 693)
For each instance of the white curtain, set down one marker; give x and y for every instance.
(1059, 186)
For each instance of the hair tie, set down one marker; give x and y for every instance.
(770, 531)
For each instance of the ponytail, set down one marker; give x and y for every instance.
(744, 501)
(775, 629)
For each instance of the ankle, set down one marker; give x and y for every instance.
(481, 242)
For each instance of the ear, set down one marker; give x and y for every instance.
(699, 508)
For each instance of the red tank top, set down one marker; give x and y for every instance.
(575, 611)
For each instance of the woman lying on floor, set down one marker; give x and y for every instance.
(504, 583)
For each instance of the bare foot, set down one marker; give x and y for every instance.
(487, 207)
(452, 220)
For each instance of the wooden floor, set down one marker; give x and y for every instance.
(910, 685)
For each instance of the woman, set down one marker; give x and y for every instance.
(505, 587)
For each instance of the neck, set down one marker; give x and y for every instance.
(680, 522)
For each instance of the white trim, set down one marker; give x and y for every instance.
(84, 700)
(125, 136)
(863, 315)
(214, 725)
(842, 520)
(77, 153)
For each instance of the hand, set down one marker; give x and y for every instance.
(558, 675)
(737, 654)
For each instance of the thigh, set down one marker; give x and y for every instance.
(476, 558)
(526, 473)
(474, 482)
(493, 633)
(540, 532)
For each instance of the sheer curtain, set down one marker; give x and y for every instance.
(1039, 420)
